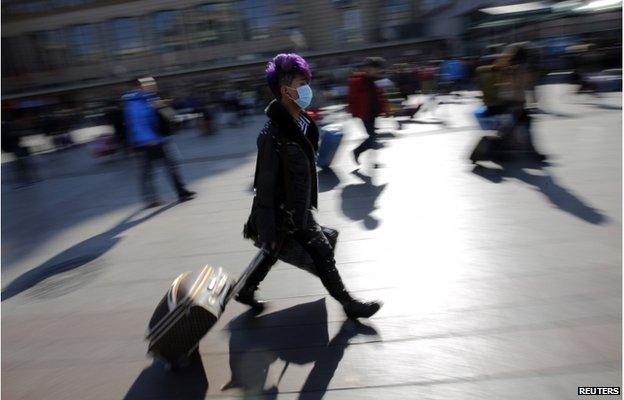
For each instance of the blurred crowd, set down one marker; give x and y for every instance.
(210, 105)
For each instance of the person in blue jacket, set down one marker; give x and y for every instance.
(145, 135)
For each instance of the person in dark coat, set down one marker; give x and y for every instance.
(286, 185)
(367, 101)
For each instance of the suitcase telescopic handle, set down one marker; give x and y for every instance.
(258, 258)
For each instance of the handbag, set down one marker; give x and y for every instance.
(291, 252)
(166, 120)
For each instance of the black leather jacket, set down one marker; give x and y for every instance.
(281, 137)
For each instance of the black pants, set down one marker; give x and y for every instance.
(316, 244)
(149, 155)
(371, 141)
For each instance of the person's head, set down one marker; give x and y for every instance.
(146, 84)
(288, 77)
(517, 54)
(374, 67)
(503, 60)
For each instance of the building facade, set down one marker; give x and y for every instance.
(55, 43)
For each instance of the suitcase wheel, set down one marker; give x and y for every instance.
(182, 363)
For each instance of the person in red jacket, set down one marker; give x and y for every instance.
(366, 100)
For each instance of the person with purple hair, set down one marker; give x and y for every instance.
(286, 186)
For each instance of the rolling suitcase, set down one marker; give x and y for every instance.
(191, 307)
(330, 140)
(487, 148)
(486, 122)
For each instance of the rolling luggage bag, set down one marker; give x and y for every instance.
(330, 140)
(486, 121)
(191, 307)
(487, 148)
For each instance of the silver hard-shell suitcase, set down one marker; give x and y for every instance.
(191, 307)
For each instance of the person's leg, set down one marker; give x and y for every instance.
(147, 176)
(247, 293)
(316, 244)
(174, 174)
(369, 143)
(526, 125)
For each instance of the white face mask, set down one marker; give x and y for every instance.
(305, 96)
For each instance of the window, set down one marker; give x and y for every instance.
(394, 7)
(127, 38)
(352, 25)
(259, 18)
(51, 49)
(289, 17)
(296, 37)
(167, 33)
(84, 43)
(213, 23)
(395, 15)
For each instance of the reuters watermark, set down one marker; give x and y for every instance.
(598, 391)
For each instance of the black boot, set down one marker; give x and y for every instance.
(360, 309)
(186, 195)
(333, 283)
(247, 293)
(248, 298)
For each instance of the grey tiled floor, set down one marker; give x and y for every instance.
(498, 283)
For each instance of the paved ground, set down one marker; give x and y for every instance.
(499, 282)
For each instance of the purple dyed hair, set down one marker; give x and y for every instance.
(283, 68)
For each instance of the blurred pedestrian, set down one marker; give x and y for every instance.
(406, 80)
(115, 118)
(367, 101)
(55, 124)
(504, 85)
(452, 76)
(24, 174)
(488, 77)
(144, 128)
(286, 186)
(427, 77)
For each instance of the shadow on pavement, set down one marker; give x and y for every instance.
(559, 196)
(155, 382)
(66, 264)
(257, 342)
(365, 195)
(327, 180)
(77, 188)
(606, 106)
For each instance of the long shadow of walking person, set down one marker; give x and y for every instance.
(559, 196)
(358, 200)
(73, 258)
(155, 382)
(327, 180)
(295, 335)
